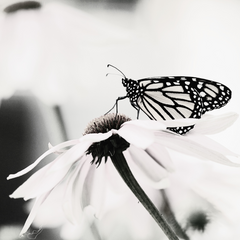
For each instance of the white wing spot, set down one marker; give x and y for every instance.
(210, 92)
(183, 96)
(212, 87)
(158, 96)
(155, 86)
(186, 112)
(202, 94)
(177, 88)
(154, 106)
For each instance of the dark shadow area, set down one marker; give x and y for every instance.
(23, 138)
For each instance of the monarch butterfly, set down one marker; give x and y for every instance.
(165, 98)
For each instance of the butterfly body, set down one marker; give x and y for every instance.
(166, 98)
(134, 91)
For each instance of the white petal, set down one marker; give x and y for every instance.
(115, 181)
(78, 231)
(58, 152)
(95, 188)
(136, 135)
(52, 150)
(28, 185)
(96, 137)
(50, 214)
(148, 124)
(33, 188)
(78, 188)
(161, 156)
(33, 213)
(145, 169)
(71, 155)
(185, 145)
(72, 198)
(68, 194)
(48, 177)
(87, 219)
(69, 231)
(180, 122)
(73, 193)
(161, 125)
(209, 124)
(209, 143)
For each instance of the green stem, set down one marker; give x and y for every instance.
(123, 169)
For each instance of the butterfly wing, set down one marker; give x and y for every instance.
(166, 98)
(181, 97)
(214, 95)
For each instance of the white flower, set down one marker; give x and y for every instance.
(144, 145)
(44, 47)
(204, 198)
(186, 201)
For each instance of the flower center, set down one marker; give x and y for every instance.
(111, 146)
(105, 123)
(198, 221)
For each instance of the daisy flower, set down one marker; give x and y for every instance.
(136, 149)
(204, 198)
(38, 40)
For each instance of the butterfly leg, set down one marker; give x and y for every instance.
(138, 111)
(116, 104)
(137, 108)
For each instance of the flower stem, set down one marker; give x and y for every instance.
(95, 232)
(170, 218)
(60, 119)
(123, 169)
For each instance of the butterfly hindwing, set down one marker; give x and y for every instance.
(214, 95)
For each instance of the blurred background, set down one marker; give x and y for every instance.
(53, 66)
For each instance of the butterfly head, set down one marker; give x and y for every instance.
(125, 81)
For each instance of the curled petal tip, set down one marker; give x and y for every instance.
(10, 176)
(14, 196)
(50, 145)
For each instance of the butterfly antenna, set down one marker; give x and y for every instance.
(110, 65)
(117, 74)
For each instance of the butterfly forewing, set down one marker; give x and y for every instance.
(169, 98)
